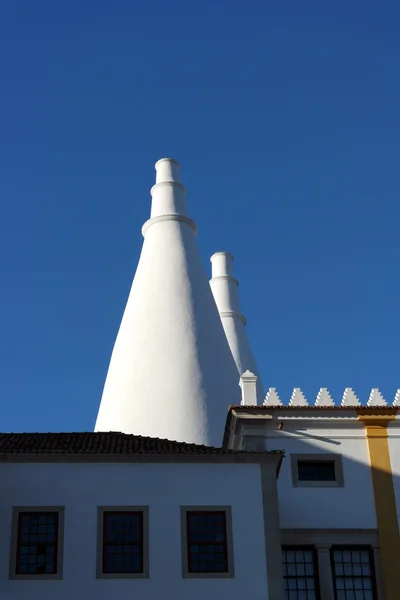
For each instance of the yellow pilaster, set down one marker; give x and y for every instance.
(376, 423)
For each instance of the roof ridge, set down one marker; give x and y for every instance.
(100, 433)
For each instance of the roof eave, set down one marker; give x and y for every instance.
(234, 457)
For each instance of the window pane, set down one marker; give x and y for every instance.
(37, 543)
(123, 542)
(207, 542)
(353, 573)
(316, 470)
(299, 573)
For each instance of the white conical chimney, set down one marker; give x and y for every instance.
(171, 373)
(225, 289)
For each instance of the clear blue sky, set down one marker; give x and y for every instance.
(285, 118)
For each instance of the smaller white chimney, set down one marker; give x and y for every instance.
(248, 383)
(224, 287)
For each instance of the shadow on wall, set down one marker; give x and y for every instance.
(320, 438)
(358, 500)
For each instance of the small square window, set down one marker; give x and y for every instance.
(207, 542)
(316, 470)
(123, 542)
(36, 551)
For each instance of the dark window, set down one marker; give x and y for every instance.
(353, 573)
(319, 470)
(123, 542)
(206, 542)
(37, 543)
(300, 573)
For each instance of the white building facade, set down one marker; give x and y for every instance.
(194, 485)
(338, 488)
(110, 515)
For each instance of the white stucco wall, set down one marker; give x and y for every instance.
(351, 506)
(394, 449)
(81, 488)
(171, 373)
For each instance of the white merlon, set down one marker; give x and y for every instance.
(396, 401)
(324, 398)
(376, 398)
(298, 398)
(349, 398)
(272, 398)
(224, 287)
(171, 373)
(248, 383)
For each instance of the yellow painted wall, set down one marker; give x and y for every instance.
(376, 424)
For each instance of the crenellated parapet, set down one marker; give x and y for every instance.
(324, 399)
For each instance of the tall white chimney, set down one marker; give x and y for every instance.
(171, 373)
(225, 290)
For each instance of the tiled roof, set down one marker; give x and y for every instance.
(108, 443)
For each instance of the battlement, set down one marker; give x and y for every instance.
(324, 399)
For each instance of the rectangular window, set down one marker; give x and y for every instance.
(322, 470)
(207, 542)
(316, 470)
(123, 542)
(36, 543)
(300, 573)
(353, 573)
(207, 549)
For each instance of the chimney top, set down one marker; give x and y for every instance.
(167, 169)
(222, 264)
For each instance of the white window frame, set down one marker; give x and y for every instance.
(16, 510)
(335, 458)
(230, 573)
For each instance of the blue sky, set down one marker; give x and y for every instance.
(285, 118)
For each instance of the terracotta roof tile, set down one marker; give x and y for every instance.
(107, 443)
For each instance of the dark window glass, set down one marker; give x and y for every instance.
(353, 573)
(299, 573)
(123, 542)
(37, 543)
(320, 470)
(206, 542)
